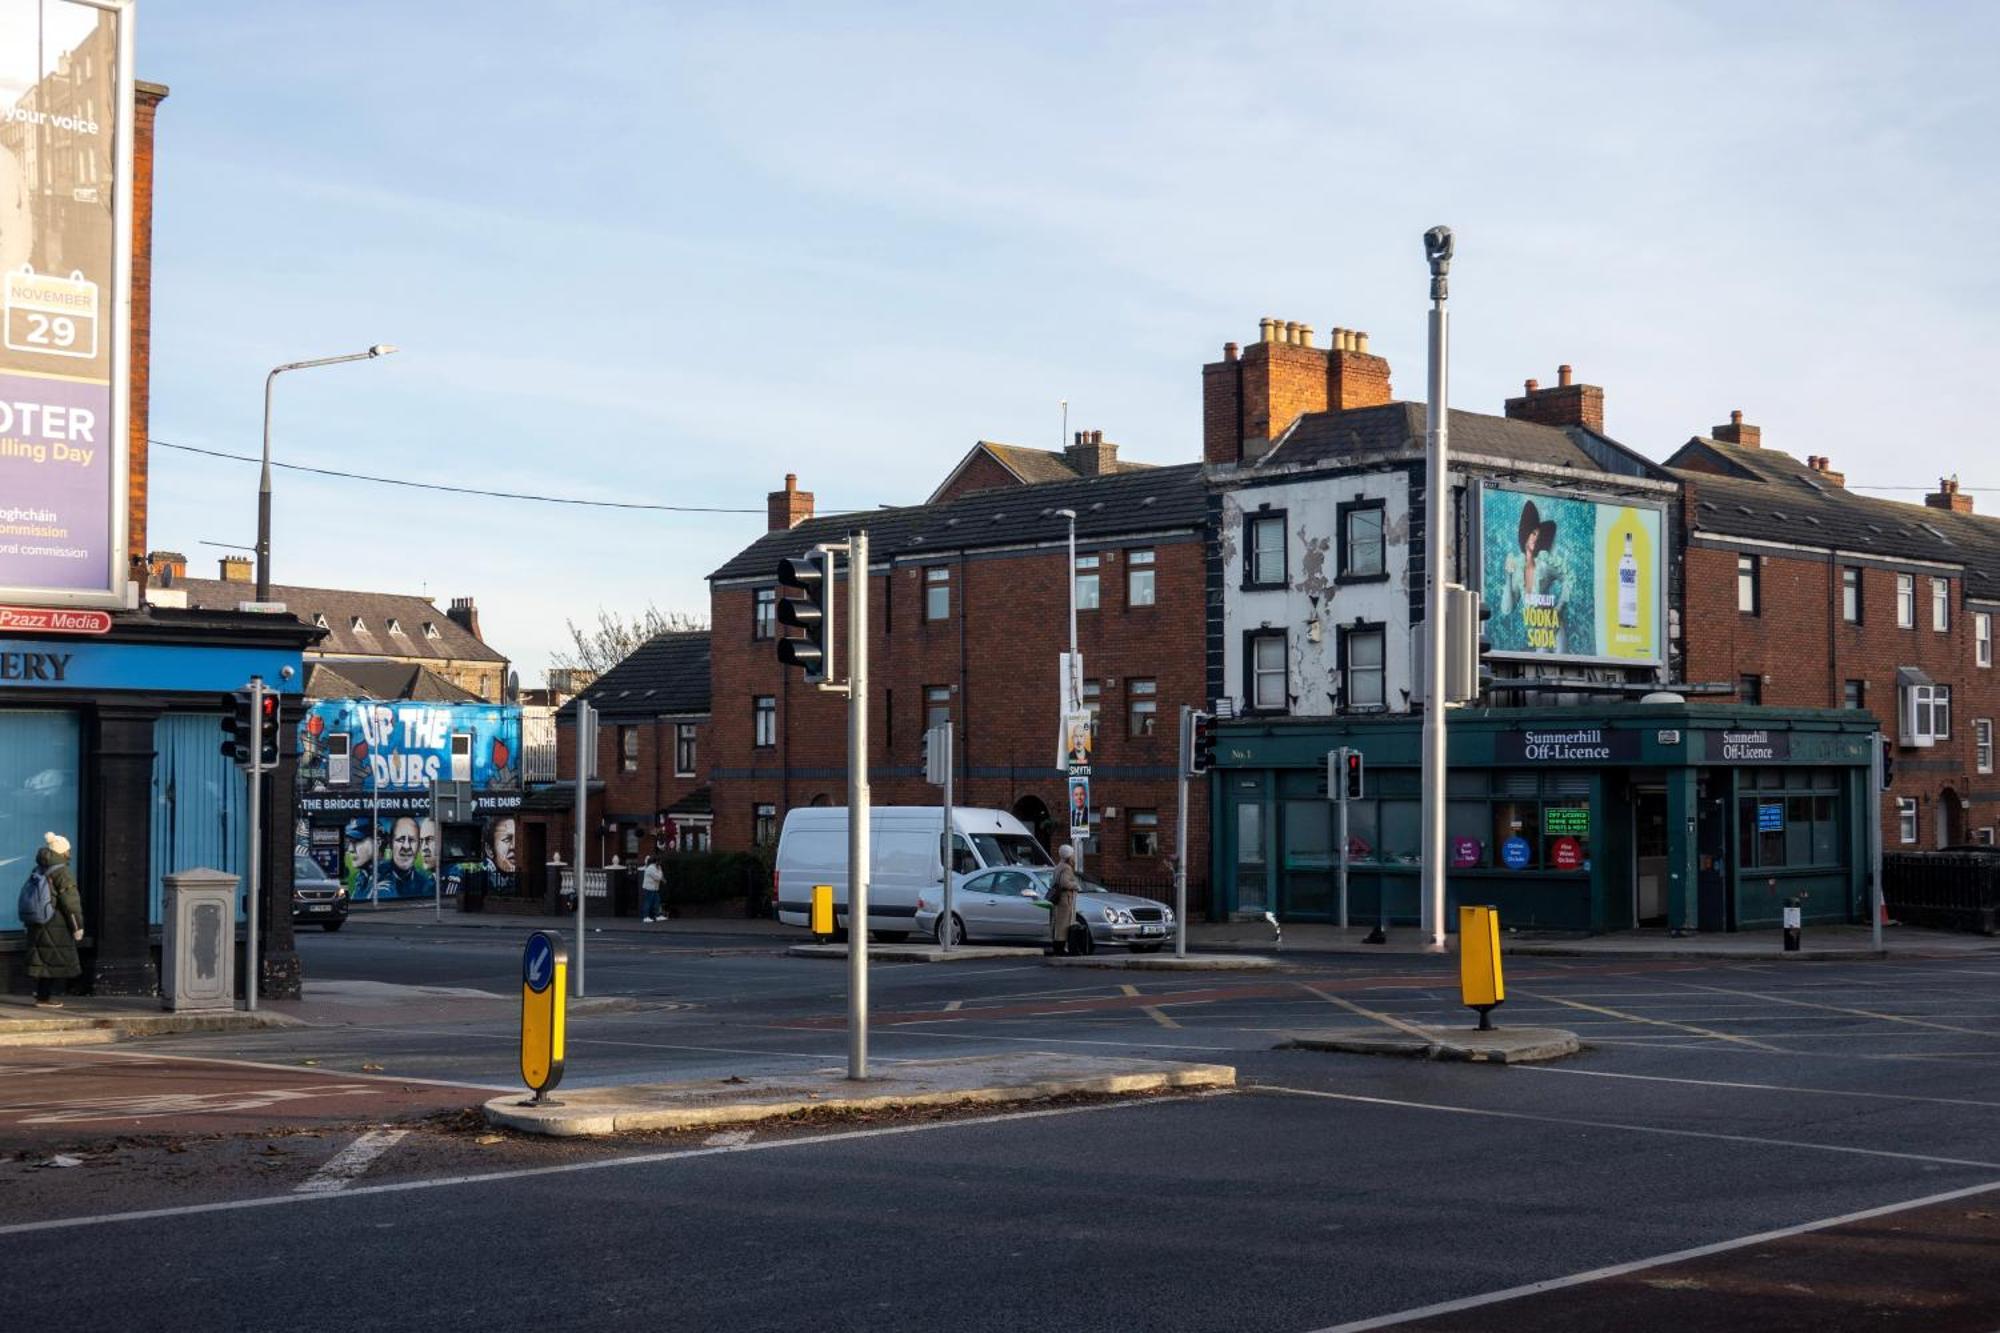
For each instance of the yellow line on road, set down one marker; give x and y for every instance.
(1129, 988)
(1655, 1022)
(1159, 1017)
(954, 1006)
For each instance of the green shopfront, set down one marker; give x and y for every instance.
(1598, 818)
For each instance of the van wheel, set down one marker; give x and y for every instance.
(957, 931)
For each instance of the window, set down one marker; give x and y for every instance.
(1906, 819)
(1142, 707)
(1982, 638)
(764, 714)
(1362, 676)
(1906, 601)
(1850, 595)
(1750, 689)
(1746, 584)
(1928, 714)
(1086, 583)
(1940, 605)
(1855, 694)
(1145, 832)
(764, 824)
(1264, 550)
(1361, 540)
(764, 614)
(40, 771)
(1139, 586)
(1093, 692)
(1982, 744)
(684, 755)
(937, 593)
(430, 629)
(628, 749)
(1266, 670)
(1788, 819)
(937, 705)
(1941, 712)
(396, 626)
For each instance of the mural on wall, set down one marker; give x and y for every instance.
(1570, 578)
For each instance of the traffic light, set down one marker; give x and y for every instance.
(1200, 753)
(1466, 645)
(238, 717)
(1888, 764)
(268, 737)
(1352, 762)
(807, 604)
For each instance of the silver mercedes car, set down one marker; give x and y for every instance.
(1010, 906)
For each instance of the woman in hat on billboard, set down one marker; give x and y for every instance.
(1537, 583)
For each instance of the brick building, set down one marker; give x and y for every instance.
(969, 609)
(1802, 593)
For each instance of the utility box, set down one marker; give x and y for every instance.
(198, 941)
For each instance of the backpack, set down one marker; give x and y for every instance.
(38, 905)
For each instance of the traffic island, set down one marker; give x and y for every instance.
(1504, 1046)
(98, 1020)
(913, 953)
(1168, 962)
(974, 1081)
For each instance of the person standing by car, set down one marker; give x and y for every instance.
(651, 880)
(52, 914)
(1062, 898)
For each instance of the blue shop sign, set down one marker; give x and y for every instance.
(1514, 853)
(174, 668)
(1771, 817)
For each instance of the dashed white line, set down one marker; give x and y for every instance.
(345, 1166)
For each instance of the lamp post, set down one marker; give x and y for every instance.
(1437, 572)
(1073, 687)
(264, 478)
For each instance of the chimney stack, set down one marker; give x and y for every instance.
(1091, 456)
(236, 569)
(465, 615)
(790, 507)
(1822, 467)
(1948, 496)
(1738, 433)
(1564, 403)
(1251, 397)
(166, 567)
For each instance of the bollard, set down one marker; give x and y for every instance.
(1794, 917)
(1480, 983)
(822, 911)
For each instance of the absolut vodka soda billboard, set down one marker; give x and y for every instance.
(1571, 579)
(65, 282)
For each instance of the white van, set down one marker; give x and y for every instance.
(903, 860)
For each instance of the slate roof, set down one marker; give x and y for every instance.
(1770, 495)
(1030, 466)
(1152, 499)
(448, 641)
(1324, 437)
(697, 802)
(382, 680)
(666, 674)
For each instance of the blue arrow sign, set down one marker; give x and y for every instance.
(538, 962)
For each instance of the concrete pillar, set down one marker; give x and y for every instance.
(1683, 881)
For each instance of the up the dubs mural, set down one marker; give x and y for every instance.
(366, 771)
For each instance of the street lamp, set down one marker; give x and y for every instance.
(1073, 696)
(264, 480)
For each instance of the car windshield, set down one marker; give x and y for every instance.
(1009, 849)
(304, 867)
(1042, 878)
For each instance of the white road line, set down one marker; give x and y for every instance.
(1764, 1087)
(922, 1030)
(600, 1164)
(1750, 1139)
(1852, 1013)
(326, 1071)
(728, 1138)
(344, 1166)
(1654, 1022)
(1656, 1261)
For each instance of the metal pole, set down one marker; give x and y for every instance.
(1340, 829)
(264, 500)
(374, 834)
(857, 806)
(1180, 834)
(950, 827)
(437, 878)
(1875, 839)
(1437, 558)
(1075, 672)
(586, 751)
(256, 840)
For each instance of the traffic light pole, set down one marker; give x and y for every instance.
(255, 769)
(1180, 834)
(586, 753)
(1340, 831)
(1875, 785)
(1437, 559)
(857, 805)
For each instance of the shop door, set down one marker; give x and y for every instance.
(1712, 859)
(1649, 856)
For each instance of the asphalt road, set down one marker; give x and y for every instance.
(1744, 1146)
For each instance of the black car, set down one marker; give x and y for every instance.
(316, 900)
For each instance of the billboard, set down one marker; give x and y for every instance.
(1570, 578)
(65, 308)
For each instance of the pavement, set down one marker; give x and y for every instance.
(86, 1020)
(1502, 1046)
(1026, 1076)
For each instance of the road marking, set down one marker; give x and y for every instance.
(1751, 1139)
(344, 1166)
(1841, 1009)
(1654, 1022)
(954, 1006)
(920, 1030)
(1656, 1261)
(1158, 1016)
(300, 1069)
(1129, 988)
(1764, 1087)
(600, 1164)
(153, 1106)
(1409, 1029)
(728, 1138)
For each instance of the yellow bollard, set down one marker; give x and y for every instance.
(1479, 979)
(822, 911)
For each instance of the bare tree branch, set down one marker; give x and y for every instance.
(597, 648)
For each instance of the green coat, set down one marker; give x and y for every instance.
(52, 944)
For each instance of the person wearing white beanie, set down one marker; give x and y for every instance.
(52, 914)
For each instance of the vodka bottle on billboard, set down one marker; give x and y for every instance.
(1628, 588)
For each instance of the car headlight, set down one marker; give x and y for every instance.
(1117, 916)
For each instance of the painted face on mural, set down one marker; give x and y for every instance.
(502, 845)
(403, 844)
(427, 842)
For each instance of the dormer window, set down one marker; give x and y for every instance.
(395, 625)
(319, 620)
(354, 623)
(431, 630)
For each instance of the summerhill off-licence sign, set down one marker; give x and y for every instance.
(1746, 747)
(1566, 745)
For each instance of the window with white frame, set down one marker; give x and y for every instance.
(1093, 697)
(1982, 638)
(1926, 713)
(1264, 550)
(1139, 585)
(764, 717)
(1086, 583)
(1906, 819)
(764, 613)
(1145, 833)
(1983, 836)
(1142, 706)
(1906, 601)
(937, 593)
(1940, 605)
(1746, 585)
(1362, 656)
(684, 752)
(1982, 744)
(1267, 672)
(1850, 594)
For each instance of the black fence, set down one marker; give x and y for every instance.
(1946, 890)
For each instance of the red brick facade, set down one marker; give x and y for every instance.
(146, 109)
(1250, 399)
(625, 801)
(982, 472)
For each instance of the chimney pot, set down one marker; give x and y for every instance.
(1735, 416)
(1305, 335)
(787, 508)
(1292, 331)
(1529, 386)
(1229, 351)
(1264, 330)
(1562, 377)
(1361, 343)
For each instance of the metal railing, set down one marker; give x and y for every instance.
(593, 883)
(1948, 890)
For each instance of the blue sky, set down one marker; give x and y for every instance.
(670, 252)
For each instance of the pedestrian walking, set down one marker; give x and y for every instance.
(1062, 898)
(51, 912)
(652, 880)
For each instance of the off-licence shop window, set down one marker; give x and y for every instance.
(1139, 586)
(1788, 819)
